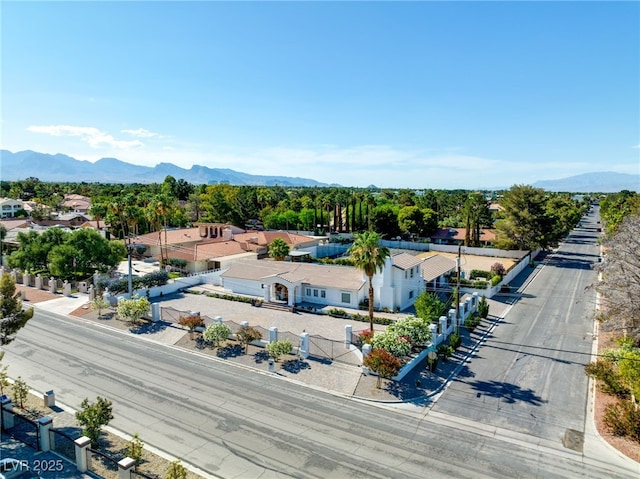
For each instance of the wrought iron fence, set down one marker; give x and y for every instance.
(102, 464)
(25, 430)
(63, 444)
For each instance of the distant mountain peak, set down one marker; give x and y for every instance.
(63, 168)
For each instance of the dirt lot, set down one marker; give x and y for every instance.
(469, 262)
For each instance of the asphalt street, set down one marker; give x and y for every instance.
(528, 376)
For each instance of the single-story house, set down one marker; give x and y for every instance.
(395, 288)
(455, 236)
(76, 203)
(209, 246)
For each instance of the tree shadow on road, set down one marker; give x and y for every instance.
(508, 392)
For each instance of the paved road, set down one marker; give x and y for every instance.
(528, 376)
(234, 422)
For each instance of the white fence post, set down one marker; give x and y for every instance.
(44, 426)
(82, 449)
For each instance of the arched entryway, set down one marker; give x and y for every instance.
(280, 293)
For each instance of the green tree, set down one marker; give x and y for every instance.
(278, 249)
(133, 309)
(383, 363)
(246, 335)
(176, 471)
(384, 219)
(20, 392)
(279, 348)
(525, 223)
(216, 333)
(12, 316)
(411, 220)
(99, 303)
(429, 307)
(93, 416)
(369, 257)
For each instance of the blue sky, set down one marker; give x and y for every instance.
(395, 94)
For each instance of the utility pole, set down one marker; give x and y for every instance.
(129, 249)
(458, 288)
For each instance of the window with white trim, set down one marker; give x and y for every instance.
(345, 297)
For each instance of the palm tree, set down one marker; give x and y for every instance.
(369, 257)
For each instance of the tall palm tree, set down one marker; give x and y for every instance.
(369, 257)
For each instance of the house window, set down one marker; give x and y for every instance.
(315, 293)
(323, 293)
(410, 294)
(405, 275)
(412, 272)
(308, 293)
(346, 298)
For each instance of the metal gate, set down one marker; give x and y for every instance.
(332, 350)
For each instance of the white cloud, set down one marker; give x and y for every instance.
(92, 136)
(141, 133)
(636, 146)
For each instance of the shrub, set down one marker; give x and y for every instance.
(191, 321)
(383, 363)
(178, 263)
(20, 392)
(483, 307)
(247, 334)
(176, 471)
(134, 449)
(279, 348)
(416, 329)
(93, 416)
(497, 269)
(399, 346)
(605, 371)
(623, 419)
(472, 322)
(216, 333)
(478, 273)
(340, 313)
(366, 336)
(445, 351)
(496, 280)
(455, 340)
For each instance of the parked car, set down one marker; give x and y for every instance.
(16, 469)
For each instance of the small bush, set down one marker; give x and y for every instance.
(191, 321)
(496, 280)
(623, 419)
(279, 348)
(483, 307)
(497, 269)
(340, 313)
(134, 449)
(366, 336)
(478, 273)
(445, 351)
(605, 371)
(472, 322)
(455, 340)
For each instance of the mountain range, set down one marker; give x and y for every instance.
(63, 168)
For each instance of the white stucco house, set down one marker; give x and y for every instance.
(9, 207)
(291, 283)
